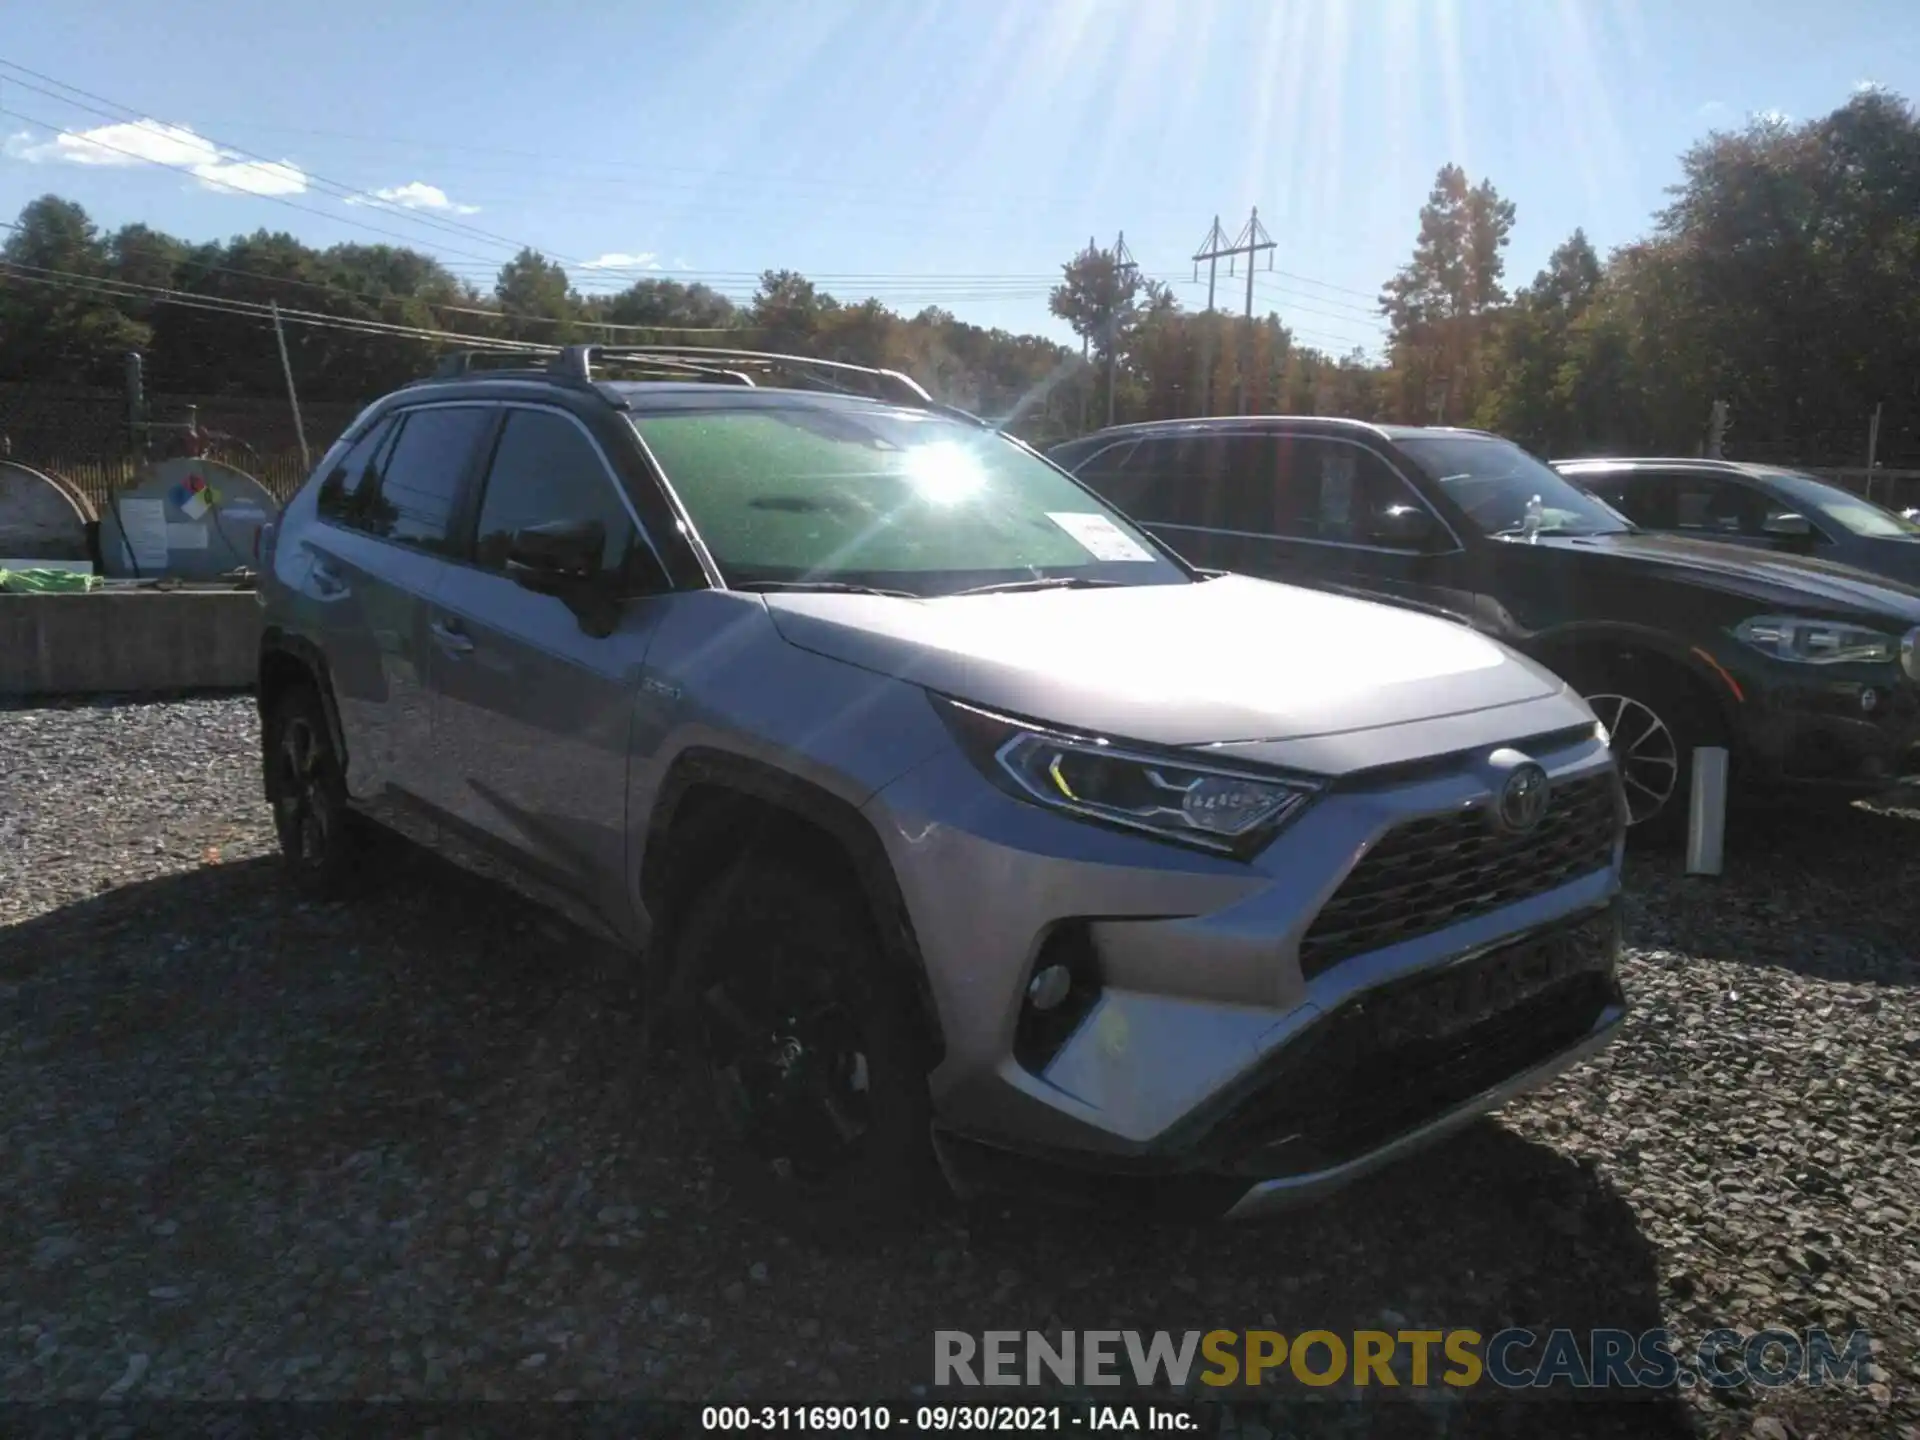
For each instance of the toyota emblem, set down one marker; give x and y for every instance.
(1523, 799)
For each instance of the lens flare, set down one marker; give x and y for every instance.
(944, 472)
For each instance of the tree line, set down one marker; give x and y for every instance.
(1783, 278)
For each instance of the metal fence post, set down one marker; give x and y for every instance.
(1707, 813)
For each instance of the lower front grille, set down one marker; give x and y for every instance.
(1392, 1060)
(1437, 871)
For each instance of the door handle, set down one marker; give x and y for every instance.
(449, 637)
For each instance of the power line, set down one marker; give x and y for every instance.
(127, 290)
(236, 189)
(338, 189)
(1340, 308)
(122, 113)
(390, 298)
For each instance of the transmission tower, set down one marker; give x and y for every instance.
(1253, 239)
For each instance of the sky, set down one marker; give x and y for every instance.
(945, 152)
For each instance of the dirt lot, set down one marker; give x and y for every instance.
(410, 1147)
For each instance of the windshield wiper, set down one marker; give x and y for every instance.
(1514, 532)
(1040, 582)
(830, 587)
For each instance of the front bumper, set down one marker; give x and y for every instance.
(1218, 998)
(1390, 1072)
(1851, 733)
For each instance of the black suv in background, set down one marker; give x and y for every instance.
(1809, 672)
(1762, 507)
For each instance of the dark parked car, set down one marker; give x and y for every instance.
(1760, 506)
(1805, 670)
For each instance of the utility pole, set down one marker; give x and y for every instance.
(1717, 421)
(286, 368)
(1873, 445)
(1086, 364)
(1123, 264)
(1210, 251)
(1252, 240)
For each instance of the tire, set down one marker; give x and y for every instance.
(321, 840)
(1656, 722)
(810, 1049)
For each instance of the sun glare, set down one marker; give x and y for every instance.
(944, 472)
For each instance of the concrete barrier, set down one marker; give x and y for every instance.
(128, 642)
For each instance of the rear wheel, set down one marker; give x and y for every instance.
(810, 1050)
(320, 839)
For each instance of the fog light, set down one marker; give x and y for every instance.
(1049, 987)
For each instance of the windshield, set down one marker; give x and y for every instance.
(1848, 511)
(832, 496)
(1494, 481)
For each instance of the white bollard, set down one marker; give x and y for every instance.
(1707, 817)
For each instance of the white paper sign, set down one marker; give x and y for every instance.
(1103, 539)
(186, 537)
(145, 524)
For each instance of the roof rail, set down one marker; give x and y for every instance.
(566, 366)
(465, 362)
(576, 363)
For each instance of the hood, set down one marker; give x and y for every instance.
(1223, 660)
(1895, 557)
(1763, 575)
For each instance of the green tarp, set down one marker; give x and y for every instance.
(46, 582)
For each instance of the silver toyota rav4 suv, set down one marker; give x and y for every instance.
(963, 833)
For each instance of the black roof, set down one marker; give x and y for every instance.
(1748, 468)
(1301, 424)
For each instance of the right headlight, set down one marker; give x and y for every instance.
(1820, 642)
(1167, 795)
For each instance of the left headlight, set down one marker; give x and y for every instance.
(1817, 642)
(1226, 810)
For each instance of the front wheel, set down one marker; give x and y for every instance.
(810, 1049)
(1654, 726)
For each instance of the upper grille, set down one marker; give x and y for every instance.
(1437, 871)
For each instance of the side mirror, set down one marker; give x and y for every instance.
(556, 557)
(1406, 527)
(1787, 526)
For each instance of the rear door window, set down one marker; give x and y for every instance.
(420, 478)
(1647, 500)
(1170, 480)
(1244, 474)
(1710, 506)
(346, 489)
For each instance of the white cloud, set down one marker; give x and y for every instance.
(152, 142)
(1714, 111)
(1773, 117)
(418, 195)
(1868, 87)
(254, 177)
(621, 260)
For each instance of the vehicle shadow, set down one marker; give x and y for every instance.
(1829, 892)
(205, 1046)
(1486, 1232)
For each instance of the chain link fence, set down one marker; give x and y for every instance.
(82, 434)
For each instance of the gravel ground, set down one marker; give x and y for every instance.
(410, 1148)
